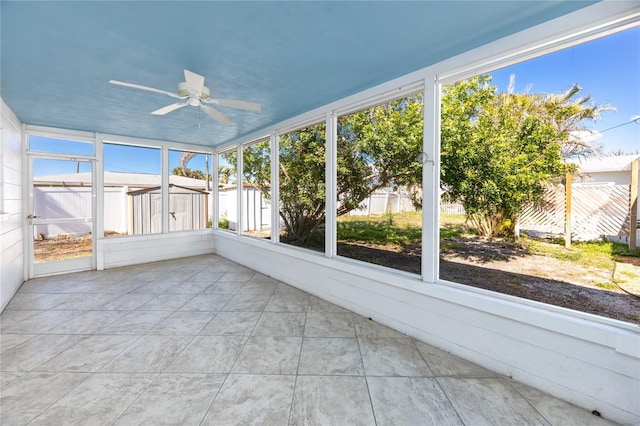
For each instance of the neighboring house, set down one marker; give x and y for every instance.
(615, 169)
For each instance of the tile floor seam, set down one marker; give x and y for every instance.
(446, 395)
(373, 409)
(136, 398)
(508, 383)
(61, 397)
(364, 373)
(105, 325)
(145, 372)
(293, 395)
(28, 340)
(35, 368)
(295, 382)
(176, 357)
(423, 357)
(206, 412)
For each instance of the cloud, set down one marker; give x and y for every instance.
(585, 136)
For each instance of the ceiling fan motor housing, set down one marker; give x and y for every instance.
(183, 90)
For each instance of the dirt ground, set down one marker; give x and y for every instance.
(492, 265)
(508, 269)
(511, 270)
(62, 247)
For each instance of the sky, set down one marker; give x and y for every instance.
(117, 158)
(607, 69)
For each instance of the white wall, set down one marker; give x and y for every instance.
(618, 178)
(132, 250)
(11, 214)
(591, 361)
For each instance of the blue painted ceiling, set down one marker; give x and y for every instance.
(58, 57)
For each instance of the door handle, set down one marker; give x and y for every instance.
(31, 216)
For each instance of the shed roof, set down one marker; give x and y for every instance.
(611, 163)
(137, 180)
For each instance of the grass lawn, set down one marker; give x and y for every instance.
(398, 229)
(403, 229)
(587, 276)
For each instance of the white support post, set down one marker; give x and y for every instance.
(431, 181)
(240, 214)
(275, 188)
(215, 191)
(98, 203)
(633, 204)
(331, 179)
(27, 206)
(164, 190)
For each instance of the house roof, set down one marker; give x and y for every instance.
(57, 57)
(172, 189)
(612, 163)
(134, 180)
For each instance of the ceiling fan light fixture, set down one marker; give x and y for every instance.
(183, 91)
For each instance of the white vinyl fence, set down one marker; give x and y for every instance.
(258, 210)
(123, 213)
(385, 202)
(60, 203)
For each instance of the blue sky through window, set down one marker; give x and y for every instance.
(608, 69)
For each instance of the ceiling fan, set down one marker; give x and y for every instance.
(193, 92)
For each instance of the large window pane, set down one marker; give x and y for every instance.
(302, 187)
(256, 189)
(62, 204)
(189, 190)
(379, 184)
(60, 146)
(228, 191)
(522, 150)
(132, 190)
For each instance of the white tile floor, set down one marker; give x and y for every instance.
(203, 340)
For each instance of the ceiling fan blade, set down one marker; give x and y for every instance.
(195, 82)
(232, 103)
(148, 89)
(169, 108)
(215, 114)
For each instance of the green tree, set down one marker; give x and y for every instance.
(567, 112)
(187, 172)
(497, 153)
(376, 148)
(302, 182)
(257, 167)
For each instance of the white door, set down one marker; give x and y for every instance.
(60, 217)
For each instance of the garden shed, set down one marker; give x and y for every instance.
(188, 209)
